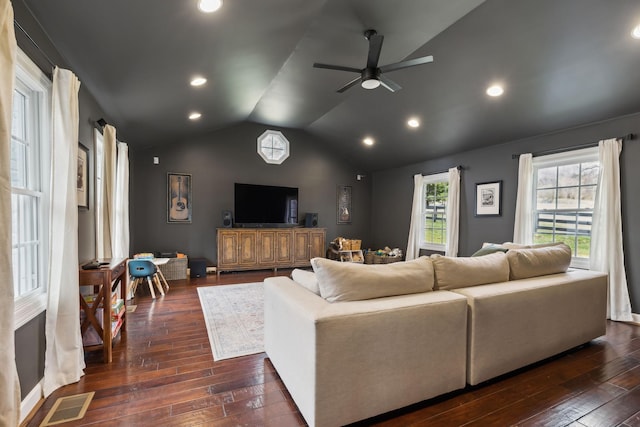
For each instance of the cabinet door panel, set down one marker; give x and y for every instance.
(316, 244)
(228, 249)
(267, 248)
(247, 252)
(301, 247)
(284, 248)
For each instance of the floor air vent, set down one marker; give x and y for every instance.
(68, 408)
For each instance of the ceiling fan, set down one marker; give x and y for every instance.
(372, 76)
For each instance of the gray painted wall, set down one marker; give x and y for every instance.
(216, 161)
(392, 191)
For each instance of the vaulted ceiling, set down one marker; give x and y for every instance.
(563, 63)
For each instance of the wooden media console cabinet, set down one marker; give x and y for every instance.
(265, 248)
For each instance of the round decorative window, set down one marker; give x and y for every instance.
(273, 147)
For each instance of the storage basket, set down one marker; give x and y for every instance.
(385, 259)
(175, 269)
(351, 244)
(368, 257)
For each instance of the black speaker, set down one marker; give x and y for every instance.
(197, 267)
(311, 220)
(227, 219)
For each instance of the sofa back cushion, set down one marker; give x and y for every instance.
(538, 261)
(346, 281)
(307, 279)
(453, 273)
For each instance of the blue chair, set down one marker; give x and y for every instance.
(141, 269)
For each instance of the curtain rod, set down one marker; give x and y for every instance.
(459, 167)
(627, 137)
(33, 42)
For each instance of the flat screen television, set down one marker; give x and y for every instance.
(265, 206)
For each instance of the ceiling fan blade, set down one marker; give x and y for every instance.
(350, 84)
(375, 46)
(337, 67)
(389, 84)
(406, 64)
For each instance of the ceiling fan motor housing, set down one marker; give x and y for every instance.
(370, 73)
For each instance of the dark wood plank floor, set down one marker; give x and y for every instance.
(163, 374)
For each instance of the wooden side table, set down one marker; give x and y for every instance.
(106, 279)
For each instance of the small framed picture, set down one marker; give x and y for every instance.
(83, 177)
(179, 197)
(489, 199)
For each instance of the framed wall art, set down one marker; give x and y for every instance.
(179, 197)
(489, 199)
(83, 177)
(344, 204)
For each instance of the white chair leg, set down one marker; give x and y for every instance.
(153, 294)
(162, 279)
(158, 284)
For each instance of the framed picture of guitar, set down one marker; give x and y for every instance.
(179, 197)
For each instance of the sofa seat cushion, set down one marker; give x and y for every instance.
(538, 261)
(346, 281)
(307, 279)
(453, 272)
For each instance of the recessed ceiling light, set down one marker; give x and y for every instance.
(198, 81)
(208, 6)
(636, 32)
(413, 122)
(368, 141)
(495, 90)
(194, 116)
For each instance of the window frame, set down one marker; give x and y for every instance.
(28, 77)
(572, 157)
(426, 180)
(267, 149)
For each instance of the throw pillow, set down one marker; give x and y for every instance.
(539, 261)
(306, 279)
(347, 281)
(453, 273)
(489, 249)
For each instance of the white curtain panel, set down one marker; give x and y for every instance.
(523, 225)
(120, 235)
(9, 384)
(607, 253)
(104, 232)
(453, 213)
(64, 356)
(413, 245)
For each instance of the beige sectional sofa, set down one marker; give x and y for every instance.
(351, 341)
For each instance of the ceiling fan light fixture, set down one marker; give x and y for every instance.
(370, 83)
(635, 33)
(413, 122)
(209, 6)
(195, 115)
(368, 141)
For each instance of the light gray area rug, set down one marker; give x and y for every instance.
(234, 315)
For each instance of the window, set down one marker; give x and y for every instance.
(565, 188)
(435, 192)
(29, 188)
(273, 147)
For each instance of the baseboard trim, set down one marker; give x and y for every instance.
(636, 319)
(31, 402)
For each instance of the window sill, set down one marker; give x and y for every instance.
(28, 308)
